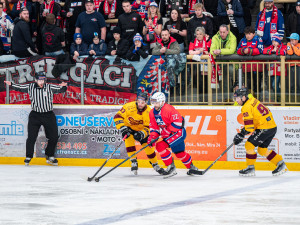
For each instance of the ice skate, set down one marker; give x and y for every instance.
(51, 160)
(27, 161)
(248, 172)
(158, 169)
(194, 170)
(170, 171)
(134, 166)
(280, 169)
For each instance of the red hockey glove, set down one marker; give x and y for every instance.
(152, 136)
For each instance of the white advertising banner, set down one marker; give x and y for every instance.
(286, 141)
(92, 140)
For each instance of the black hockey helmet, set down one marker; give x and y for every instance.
(40, 76)
(142, 96)
(241, 92)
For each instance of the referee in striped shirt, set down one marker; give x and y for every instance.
(41, 97)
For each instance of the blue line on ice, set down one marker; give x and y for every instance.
(191, 201)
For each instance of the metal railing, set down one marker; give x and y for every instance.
(271, 79)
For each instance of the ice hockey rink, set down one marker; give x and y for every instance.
(61, 195)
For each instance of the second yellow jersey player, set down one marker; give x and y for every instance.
(259, 121)
(133, 120)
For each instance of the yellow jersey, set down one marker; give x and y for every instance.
(129, 116)
(257, 116)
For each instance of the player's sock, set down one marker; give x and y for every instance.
(165, 154)
(250, 159)
(185, 158)
(273, 157)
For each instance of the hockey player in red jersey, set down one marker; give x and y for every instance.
(166, 122)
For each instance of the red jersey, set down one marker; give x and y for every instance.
(168, 117)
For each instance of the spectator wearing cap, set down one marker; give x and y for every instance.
(98, 47)
(41, 97)
(78, 47)
(70, 12)
(130, 22)
(119, 46)
(153, 23)
(269, 22)
(110, 9)
(166, 45)
(293, 48)
(53, 37)
(138, 49)
(177, 28)
(22, 45)
(279, 49)
(16, 10)
(293, 21)
(89, 22)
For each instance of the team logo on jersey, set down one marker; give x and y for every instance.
(159, 120)
(94, 19)
(245, 114)
(132, 121)
(203, 22)
(134, 19)
(288, 47)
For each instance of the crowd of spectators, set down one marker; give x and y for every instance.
(30, 27)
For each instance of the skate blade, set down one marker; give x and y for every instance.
(134, 172)
(51, 163)
(170, 175)
(26, 164)
(247, 175)
(281, 172)
(194, 172)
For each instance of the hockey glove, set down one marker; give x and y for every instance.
(165, 133)
(139, 136)
(125, 131)
(238, 138)
(152, 137)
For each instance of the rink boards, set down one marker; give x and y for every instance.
(88, 136)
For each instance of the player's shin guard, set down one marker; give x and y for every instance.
(185, 158)
(165, 154)
(274, 158)
(250, 153)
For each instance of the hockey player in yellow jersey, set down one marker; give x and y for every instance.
(259, 121)
(133, 120)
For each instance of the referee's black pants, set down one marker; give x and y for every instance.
(48, 121)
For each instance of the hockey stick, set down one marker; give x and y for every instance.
(204, 171)
(109, 157)
(129, 157)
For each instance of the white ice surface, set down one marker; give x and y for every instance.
(60, 195)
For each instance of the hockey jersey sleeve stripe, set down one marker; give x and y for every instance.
(177, 125)
(155, 131)
(118, 116)
(248, 122)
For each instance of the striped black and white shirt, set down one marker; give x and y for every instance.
(41, 98)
